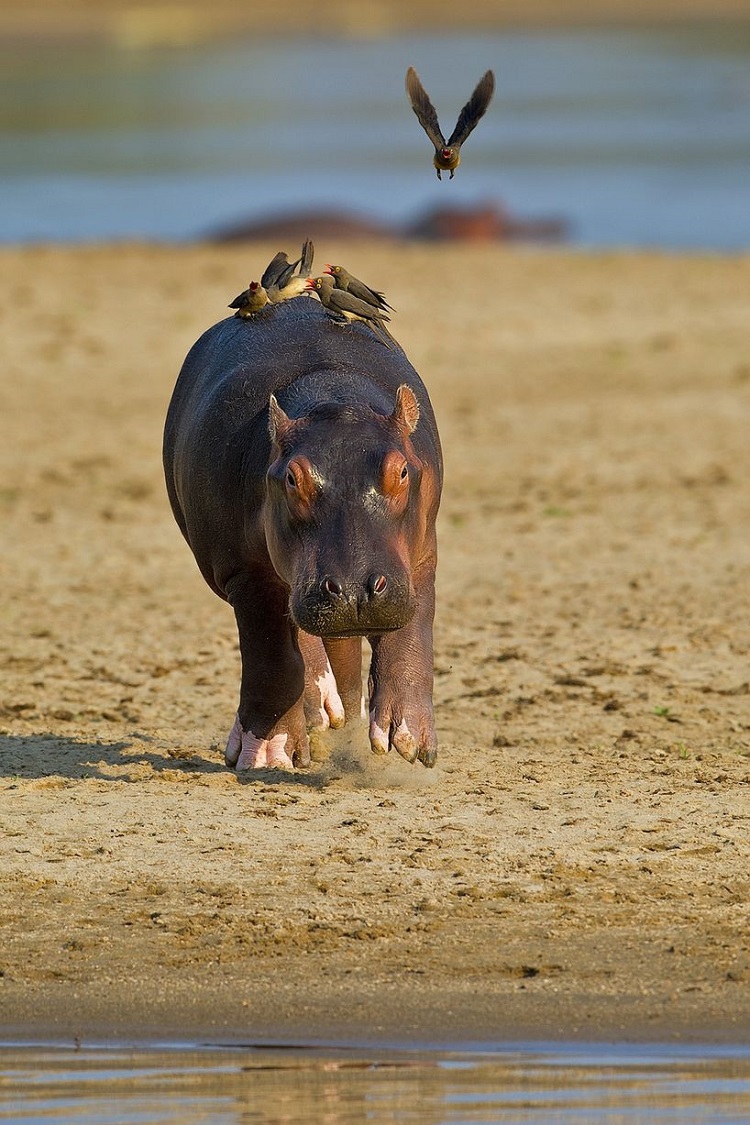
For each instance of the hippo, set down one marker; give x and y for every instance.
(480, 222)
(304, 469)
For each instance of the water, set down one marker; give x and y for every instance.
(637, 137)
(562, 1085)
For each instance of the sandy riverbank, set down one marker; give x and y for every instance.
(163, 23)
(577, 864)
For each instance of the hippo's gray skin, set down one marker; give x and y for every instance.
(303, 466)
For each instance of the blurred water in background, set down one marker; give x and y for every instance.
(637, 137)
(552, 1084)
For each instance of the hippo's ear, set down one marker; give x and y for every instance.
(279, 423)
(406, 411)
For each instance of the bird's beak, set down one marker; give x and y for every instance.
(328, 269)
(310, 283)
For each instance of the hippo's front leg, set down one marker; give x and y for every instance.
(401, 675)
(345, 655)
(323, 704)
(269, 729)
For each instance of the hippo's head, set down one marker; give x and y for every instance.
(342, 506)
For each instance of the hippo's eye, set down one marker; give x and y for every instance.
(405, 472)
(291, 480)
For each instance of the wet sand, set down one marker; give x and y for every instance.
(577, 864)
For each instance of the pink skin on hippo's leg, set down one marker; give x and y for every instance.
(345, 655)
(269, 730)
(401, 675)
(323, 705)
(245, 751)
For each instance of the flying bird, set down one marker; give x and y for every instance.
(250, 301)
(342, 279)
(448, 153)
(344, 305)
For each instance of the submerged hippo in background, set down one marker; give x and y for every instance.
(304, 469)
(474, 222)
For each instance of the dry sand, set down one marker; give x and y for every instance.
(133, 25)
(578, 864)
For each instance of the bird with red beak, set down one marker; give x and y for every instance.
(448, 153)
(250, 301)
(346, 307)
(342, 279)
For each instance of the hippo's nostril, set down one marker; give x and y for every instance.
(331, 587)
(378, 584)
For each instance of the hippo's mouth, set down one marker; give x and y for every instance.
(342, 636)
(352, 616)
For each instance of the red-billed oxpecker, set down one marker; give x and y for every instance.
(250, 301)
(347, 307)
(279, 279)
(448, 153)
(342, 279)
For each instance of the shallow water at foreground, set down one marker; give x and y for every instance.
(605, 1083)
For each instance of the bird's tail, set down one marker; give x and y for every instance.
(382, 333)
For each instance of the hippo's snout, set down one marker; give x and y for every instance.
(333, 606)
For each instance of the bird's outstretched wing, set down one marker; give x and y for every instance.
(474, 109)
(424, 109)
(274, 270)
(286, 274)
(306, 260)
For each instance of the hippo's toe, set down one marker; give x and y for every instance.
(247, 751)
(323, 705)
(405, 742)
(234, 744)
(411, 733)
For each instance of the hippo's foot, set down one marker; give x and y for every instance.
(248, 751)
(407, 727)
(323, 705)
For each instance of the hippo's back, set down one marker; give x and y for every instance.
(231, 371)
(216, 441)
